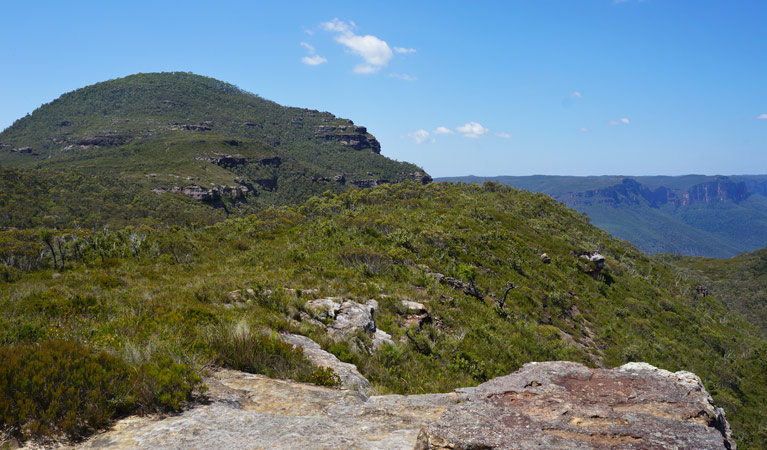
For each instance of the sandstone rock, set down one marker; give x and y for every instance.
(255, 412)
(344, 319)
(348, 136)
(363, 184)
(347, 373)
(565, 405)
(417, 314)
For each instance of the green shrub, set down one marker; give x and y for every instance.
(239, 348)
(59, 387)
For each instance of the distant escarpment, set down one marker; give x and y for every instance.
(631, 192)
(694, 215)
(179, 134)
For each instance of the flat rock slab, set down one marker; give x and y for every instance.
(255, 412)
(565, 405)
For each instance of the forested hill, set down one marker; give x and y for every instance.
(179, 134)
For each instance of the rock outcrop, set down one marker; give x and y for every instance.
(350, 377)
(350, 135)
(552, 405)
(255, 412)
(565, 405)
(203, 194)
(344, 319)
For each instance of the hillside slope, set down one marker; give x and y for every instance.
(457, 274)
(183, 134)
(740, 281)
(694, 215)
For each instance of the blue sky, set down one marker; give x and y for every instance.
(569, 87)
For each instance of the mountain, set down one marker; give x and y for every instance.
(424, 288)
(179, 134)
(694, 215)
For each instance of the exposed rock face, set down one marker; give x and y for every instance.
(255, 412)
(363, 184)
(224, 160)
(631, 192)
(565, 405)
(348, 136)
(344, 319)
(350, 377)
(417, 314)
(715, 192)
(24, 151)
(204, 194)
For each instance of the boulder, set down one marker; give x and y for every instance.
(416, 313)
(344, 319)
(566, 405)
(350, 377)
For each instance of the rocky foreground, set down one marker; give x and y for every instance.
(552, 405)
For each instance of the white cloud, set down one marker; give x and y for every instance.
(472, 130)
(503, 135)
(315, 60)
(443, 130)
(621, 121)
(337, 25)
(613, 122)
(583, 129)
(576, 94)
(420, 136)
(625, 121)
(762, 117)
(374, 51)
(402, 76)
(404, 50)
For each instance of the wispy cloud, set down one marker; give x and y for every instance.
(504, 135)
(621, 121)
(404, 50)
(583, 130)
(443, 130)
(576, 94)
(313, 59)
(374, 52)
(419, 136)
(402, 76)
(762, 117)
(472, 130)
(625, 121)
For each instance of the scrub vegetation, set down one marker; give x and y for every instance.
(158, 305)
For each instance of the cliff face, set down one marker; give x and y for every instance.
(715, 192)
(631, 192)
(554, 405)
